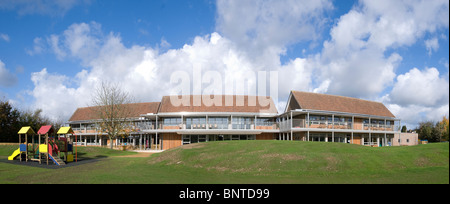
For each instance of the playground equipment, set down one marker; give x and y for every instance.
(22, 152)
(65, 132)
(50, 147)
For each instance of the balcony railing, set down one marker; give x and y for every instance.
(266, 125)
(325, 124)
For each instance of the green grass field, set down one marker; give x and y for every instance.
(247, 162)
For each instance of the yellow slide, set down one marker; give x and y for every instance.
(17, 152)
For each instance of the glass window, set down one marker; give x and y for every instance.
(186, 139)
(196, 123)
(202, 138)
(263, 122)
(212, 137)
(313, 118)
(242, 122)
(218, 122)
(171, 121)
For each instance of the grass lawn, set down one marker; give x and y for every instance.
(247, 162)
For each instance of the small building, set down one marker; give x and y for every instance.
(406, 139)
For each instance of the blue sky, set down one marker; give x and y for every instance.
(53, 52)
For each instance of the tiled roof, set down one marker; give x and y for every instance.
(88, 113)
(230, 103)
(315, 101)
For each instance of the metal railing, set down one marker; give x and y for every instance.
(343, 125)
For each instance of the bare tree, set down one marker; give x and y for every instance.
(113, 109)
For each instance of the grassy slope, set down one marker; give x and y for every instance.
(250, 162)
(312, 162)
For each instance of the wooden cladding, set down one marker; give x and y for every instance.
(171, 141)
(267, 136)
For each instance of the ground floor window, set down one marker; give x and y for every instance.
(328, 137)
(318, 137)
(188, 139)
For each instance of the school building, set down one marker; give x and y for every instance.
(307, 117)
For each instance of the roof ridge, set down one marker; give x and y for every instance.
(125, 104)
(216, 95)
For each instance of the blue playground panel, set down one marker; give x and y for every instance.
(23, 147)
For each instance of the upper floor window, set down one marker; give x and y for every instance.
(172, 121)
(242, 122)
(196, 123)
(264, 122)
(218, 122)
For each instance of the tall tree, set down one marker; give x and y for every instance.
(34, 119)
(9, 122)
(425, 130)
(110, 106)
(404, 129)
(443, 127)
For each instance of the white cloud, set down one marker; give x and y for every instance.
(354, 61)
(142, 71)
(80, 40)
(412, 115)
(264, 28)
(4, 37)
(271, 23)
(420, 87)
(296, 75)
(53, 96)
(7, 79)
(38, 47)
(53, 42)
(419, 95)
(432, 45)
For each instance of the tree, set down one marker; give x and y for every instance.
(9, 122)
(425, 130)
(34, 119)
(404, 128)
(110, 106)
(443, 127)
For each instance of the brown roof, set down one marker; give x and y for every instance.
(315, 101)
(230, 103)
(88, 113)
